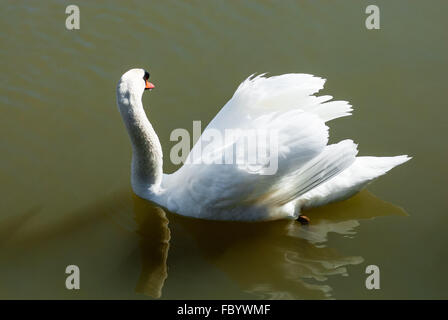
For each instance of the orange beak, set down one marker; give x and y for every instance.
(149, 85)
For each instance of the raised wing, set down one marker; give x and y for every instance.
(282, 112)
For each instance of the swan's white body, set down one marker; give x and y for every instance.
(310, 172)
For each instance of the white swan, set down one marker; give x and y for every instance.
(310, 173)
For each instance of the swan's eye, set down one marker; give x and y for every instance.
(146, 76)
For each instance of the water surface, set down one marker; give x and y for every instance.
(65, 156)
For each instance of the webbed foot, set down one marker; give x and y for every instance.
(303, 219)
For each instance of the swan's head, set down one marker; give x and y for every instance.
(134, 81)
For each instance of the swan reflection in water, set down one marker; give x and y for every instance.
(280, 259)
(124, 244)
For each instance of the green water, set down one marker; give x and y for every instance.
(65, 156)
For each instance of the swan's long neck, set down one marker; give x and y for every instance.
(147, 163)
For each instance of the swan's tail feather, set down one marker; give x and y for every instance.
(333, 160)
(351, 180)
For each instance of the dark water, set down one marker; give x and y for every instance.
(65, 157)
